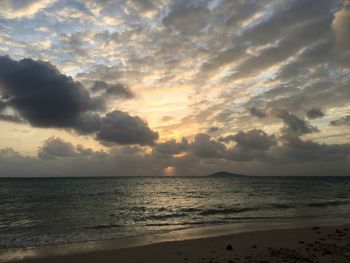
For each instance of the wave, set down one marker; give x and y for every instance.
(103, 226)
(226, 211)
(328, 203)
(166, 216)
(282, 206)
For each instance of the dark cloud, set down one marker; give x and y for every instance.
(121, 128)
(256, 145)
(257, 113)
(204, 146)
(341, 121)
(46, 98)
(293, 123)
(57, 157)
(213, 129)
(297, 150)
(11, 118)
(171, 147)
(117, 90)
(8, 152)
(252, 140)
(314, 113)
(55, 147)
(41, 94)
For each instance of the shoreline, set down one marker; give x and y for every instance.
(170, 240)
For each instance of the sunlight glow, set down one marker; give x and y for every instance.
(169, 171)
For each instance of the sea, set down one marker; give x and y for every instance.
(43, 211)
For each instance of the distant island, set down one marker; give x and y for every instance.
(225, 174)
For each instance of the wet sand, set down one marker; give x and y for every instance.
(283, 241)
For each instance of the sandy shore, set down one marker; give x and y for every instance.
(286, 241)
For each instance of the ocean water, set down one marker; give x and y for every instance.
(36, 212)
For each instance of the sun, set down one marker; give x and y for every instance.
(169, 171)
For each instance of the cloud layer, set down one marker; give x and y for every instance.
(44, 97)
(258, 87)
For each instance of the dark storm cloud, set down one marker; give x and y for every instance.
(314, 113)
(171, 147)
(116, 127)
(46, 98)
(257, 113)
(341, 121)
(204, 146)
(117, 90)
(121, 128)
(41, 94)
(55, 148)
(250, 140)
(11, 118)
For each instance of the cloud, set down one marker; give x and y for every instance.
(12, 9)
(41, 94)
(167, 118)
(252, 140)
(293, 123)
(222, 58)
(117, 90)
(55, 147)
(171, 147)
(341, 121)
(46, 98)
(213, 129)
(215, 59)
(340, 25)
(257, 113)
(8, 152)
(204, 146)
(119, 127)
(314, 113)
(298, 151)
(10, 118)
(187, 19)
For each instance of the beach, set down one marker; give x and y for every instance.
(276, 241)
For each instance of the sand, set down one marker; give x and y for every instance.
(289, 241)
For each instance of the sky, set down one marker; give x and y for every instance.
(174, 87)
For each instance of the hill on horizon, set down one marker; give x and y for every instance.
(225, 174)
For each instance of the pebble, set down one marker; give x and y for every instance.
(228, 247)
